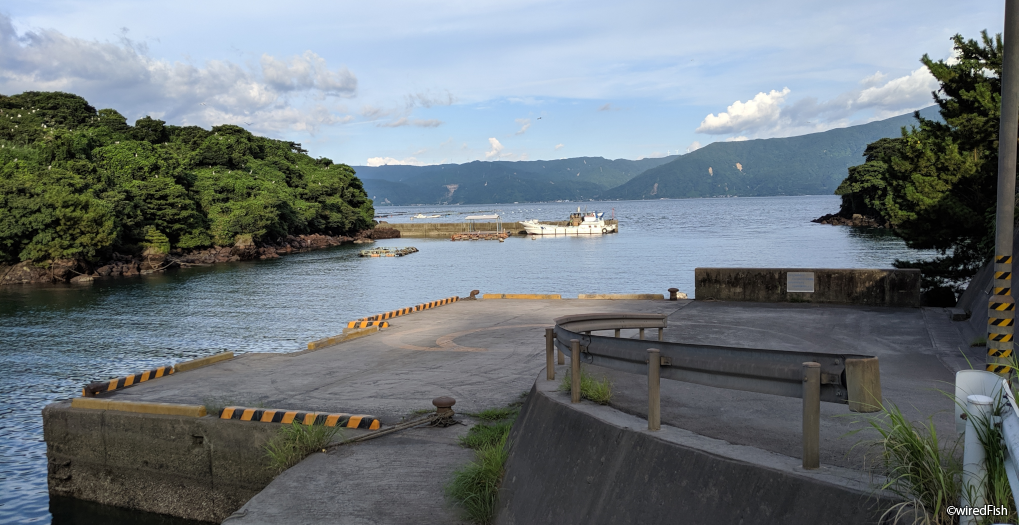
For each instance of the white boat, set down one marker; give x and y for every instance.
(423, 216)
(580, 223)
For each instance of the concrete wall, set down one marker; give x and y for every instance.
(885, 287)
(195, 468)
(445, 229)
(570, 466)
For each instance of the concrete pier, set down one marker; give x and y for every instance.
(483, 353)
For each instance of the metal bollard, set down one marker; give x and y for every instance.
(672, 294)
(641, 334)
(549, 349)
(811, 415)
(974, 457)
(575, 371)
(654, 382)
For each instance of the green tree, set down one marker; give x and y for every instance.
(936, 184)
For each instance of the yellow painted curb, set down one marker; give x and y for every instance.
(348, 334)
(641, 296)
(205, 361)
(169, 409)
(521, 296)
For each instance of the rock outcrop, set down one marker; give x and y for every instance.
(153, 261)
(855, 220)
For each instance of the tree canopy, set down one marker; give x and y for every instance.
(77, 183)
(936, 183)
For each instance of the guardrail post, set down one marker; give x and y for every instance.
(811, 415)
(549, 349)
(974, 457)
(660, 334)
(617, 332)
(575, 371)
(654, 404)
(641, 334)
(863, 378)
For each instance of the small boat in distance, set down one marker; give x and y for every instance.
(423, 216)
(580, 223)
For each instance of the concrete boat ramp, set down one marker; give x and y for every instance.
(488, 353)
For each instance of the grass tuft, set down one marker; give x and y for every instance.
(294, 442)
(496, 414)
(979, 341)
(481, 436)
(918, 468)
(475, 486)
(599, 391)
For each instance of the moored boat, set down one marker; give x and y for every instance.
(580, 223)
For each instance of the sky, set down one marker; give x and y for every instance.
(400, 82)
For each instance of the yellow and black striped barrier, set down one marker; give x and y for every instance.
(366, 324)
(1001, 318)
(286, 417)
(93, 389)
(433, 304)
(409, 310)
(389, 315)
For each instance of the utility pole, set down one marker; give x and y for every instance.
(1001, 307)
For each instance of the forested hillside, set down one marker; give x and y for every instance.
(480, 182)
(813, 164)
(77, 183)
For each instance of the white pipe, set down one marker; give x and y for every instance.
(974, 458)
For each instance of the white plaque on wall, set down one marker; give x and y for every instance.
(799, 282)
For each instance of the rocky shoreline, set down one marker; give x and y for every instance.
(150, 261)
(855, 220)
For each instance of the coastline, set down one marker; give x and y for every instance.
(151, 262)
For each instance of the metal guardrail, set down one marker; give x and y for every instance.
(812, 376)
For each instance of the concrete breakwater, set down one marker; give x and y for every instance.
(446, 229)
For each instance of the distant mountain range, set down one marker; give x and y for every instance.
(806, 165)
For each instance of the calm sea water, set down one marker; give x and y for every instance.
(54, 339)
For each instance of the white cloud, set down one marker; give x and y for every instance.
(907, 91)
(761, 111)
(390, 161)
(404, 121)
(428, 100)
(740, 138)
(874, 79)
(305, 72)
(770, 115)
(121, 74)
(496, 149)
(524, 124)
(694, 146)
(559, 147)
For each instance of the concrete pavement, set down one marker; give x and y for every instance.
(486, 353)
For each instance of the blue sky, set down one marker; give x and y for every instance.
(437, 82)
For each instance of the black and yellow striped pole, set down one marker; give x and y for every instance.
(1001, 307)
(1001, 318)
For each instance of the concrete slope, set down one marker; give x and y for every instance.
(587, 464)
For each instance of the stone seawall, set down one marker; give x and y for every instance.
(588, 464)
(883, 287)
